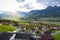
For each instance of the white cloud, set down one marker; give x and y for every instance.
(49, 2)
(9, 5)
(20, 0)
(14, 5)
(37, 6)
(31, 5)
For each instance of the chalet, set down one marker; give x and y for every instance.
(53, 28)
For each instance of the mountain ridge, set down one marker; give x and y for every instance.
(50, 11)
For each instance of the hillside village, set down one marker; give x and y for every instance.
(31, 27)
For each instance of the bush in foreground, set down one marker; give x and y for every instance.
(56, 36)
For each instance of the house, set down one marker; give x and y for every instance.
(53, 28)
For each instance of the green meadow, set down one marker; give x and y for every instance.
(6, 28)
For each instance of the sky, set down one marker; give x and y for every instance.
(12, 6)
(26, 5)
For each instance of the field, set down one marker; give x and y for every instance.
(55, 21)
(6, 28)
(46, 22)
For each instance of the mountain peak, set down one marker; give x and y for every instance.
(49, 7)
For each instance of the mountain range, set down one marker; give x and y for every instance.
(49, 12)
(12, 15)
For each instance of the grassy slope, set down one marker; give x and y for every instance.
(6, 28)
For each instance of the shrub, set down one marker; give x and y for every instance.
(56, 36)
